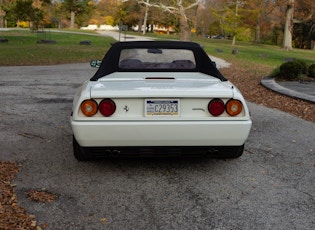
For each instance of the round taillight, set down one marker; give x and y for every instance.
(107, 107)
(234, 107)
(216, 107)
(89, 107)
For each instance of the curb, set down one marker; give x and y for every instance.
(271, 84)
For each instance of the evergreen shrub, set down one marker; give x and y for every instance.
(311, 70)
(292, 70)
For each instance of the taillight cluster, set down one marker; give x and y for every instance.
(233, 107)
(107, 107)
(90, 107)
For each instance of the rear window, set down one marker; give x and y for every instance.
(157, 59)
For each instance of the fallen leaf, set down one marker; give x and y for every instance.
(41, 196)
(103, 220)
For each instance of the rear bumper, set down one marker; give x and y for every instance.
(160, 133)
(165, 151)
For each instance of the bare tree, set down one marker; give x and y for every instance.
(180, 9)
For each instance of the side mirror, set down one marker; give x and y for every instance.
(95, 63)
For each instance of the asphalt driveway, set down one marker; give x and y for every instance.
(270, 187)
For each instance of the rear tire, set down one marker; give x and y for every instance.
(78, 151)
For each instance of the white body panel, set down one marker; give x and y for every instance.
(161, 133)
(129, 126)
(140, 85)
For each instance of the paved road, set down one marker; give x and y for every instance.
(270, 187)
(301, 90)
(123, 37)
(305, 87)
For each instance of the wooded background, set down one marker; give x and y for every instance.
(287, 23)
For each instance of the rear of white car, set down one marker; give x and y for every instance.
(159, 112)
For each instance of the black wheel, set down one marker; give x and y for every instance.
(230, 152)
(78, 151)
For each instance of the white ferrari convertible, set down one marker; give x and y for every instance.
(158, 98)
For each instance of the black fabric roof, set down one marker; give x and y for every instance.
(203, 62)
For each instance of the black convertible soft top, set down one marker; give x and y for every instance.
(203, 62)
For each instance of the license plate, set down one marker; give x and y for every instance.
(162, 107)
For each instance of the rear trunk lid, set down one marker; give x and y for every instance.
(144, 85)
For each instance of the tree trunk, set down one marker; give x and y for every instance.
(221, 28)
(145, 18)
(2, 15)
(185, 33)
(257, 32)
(235, 23)
(234, 40)
(288, 28)
(140, 26)
(72, 18)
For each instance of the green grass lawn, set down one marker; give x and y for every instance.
(256, 53)
(23, 49)
(248, 52)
